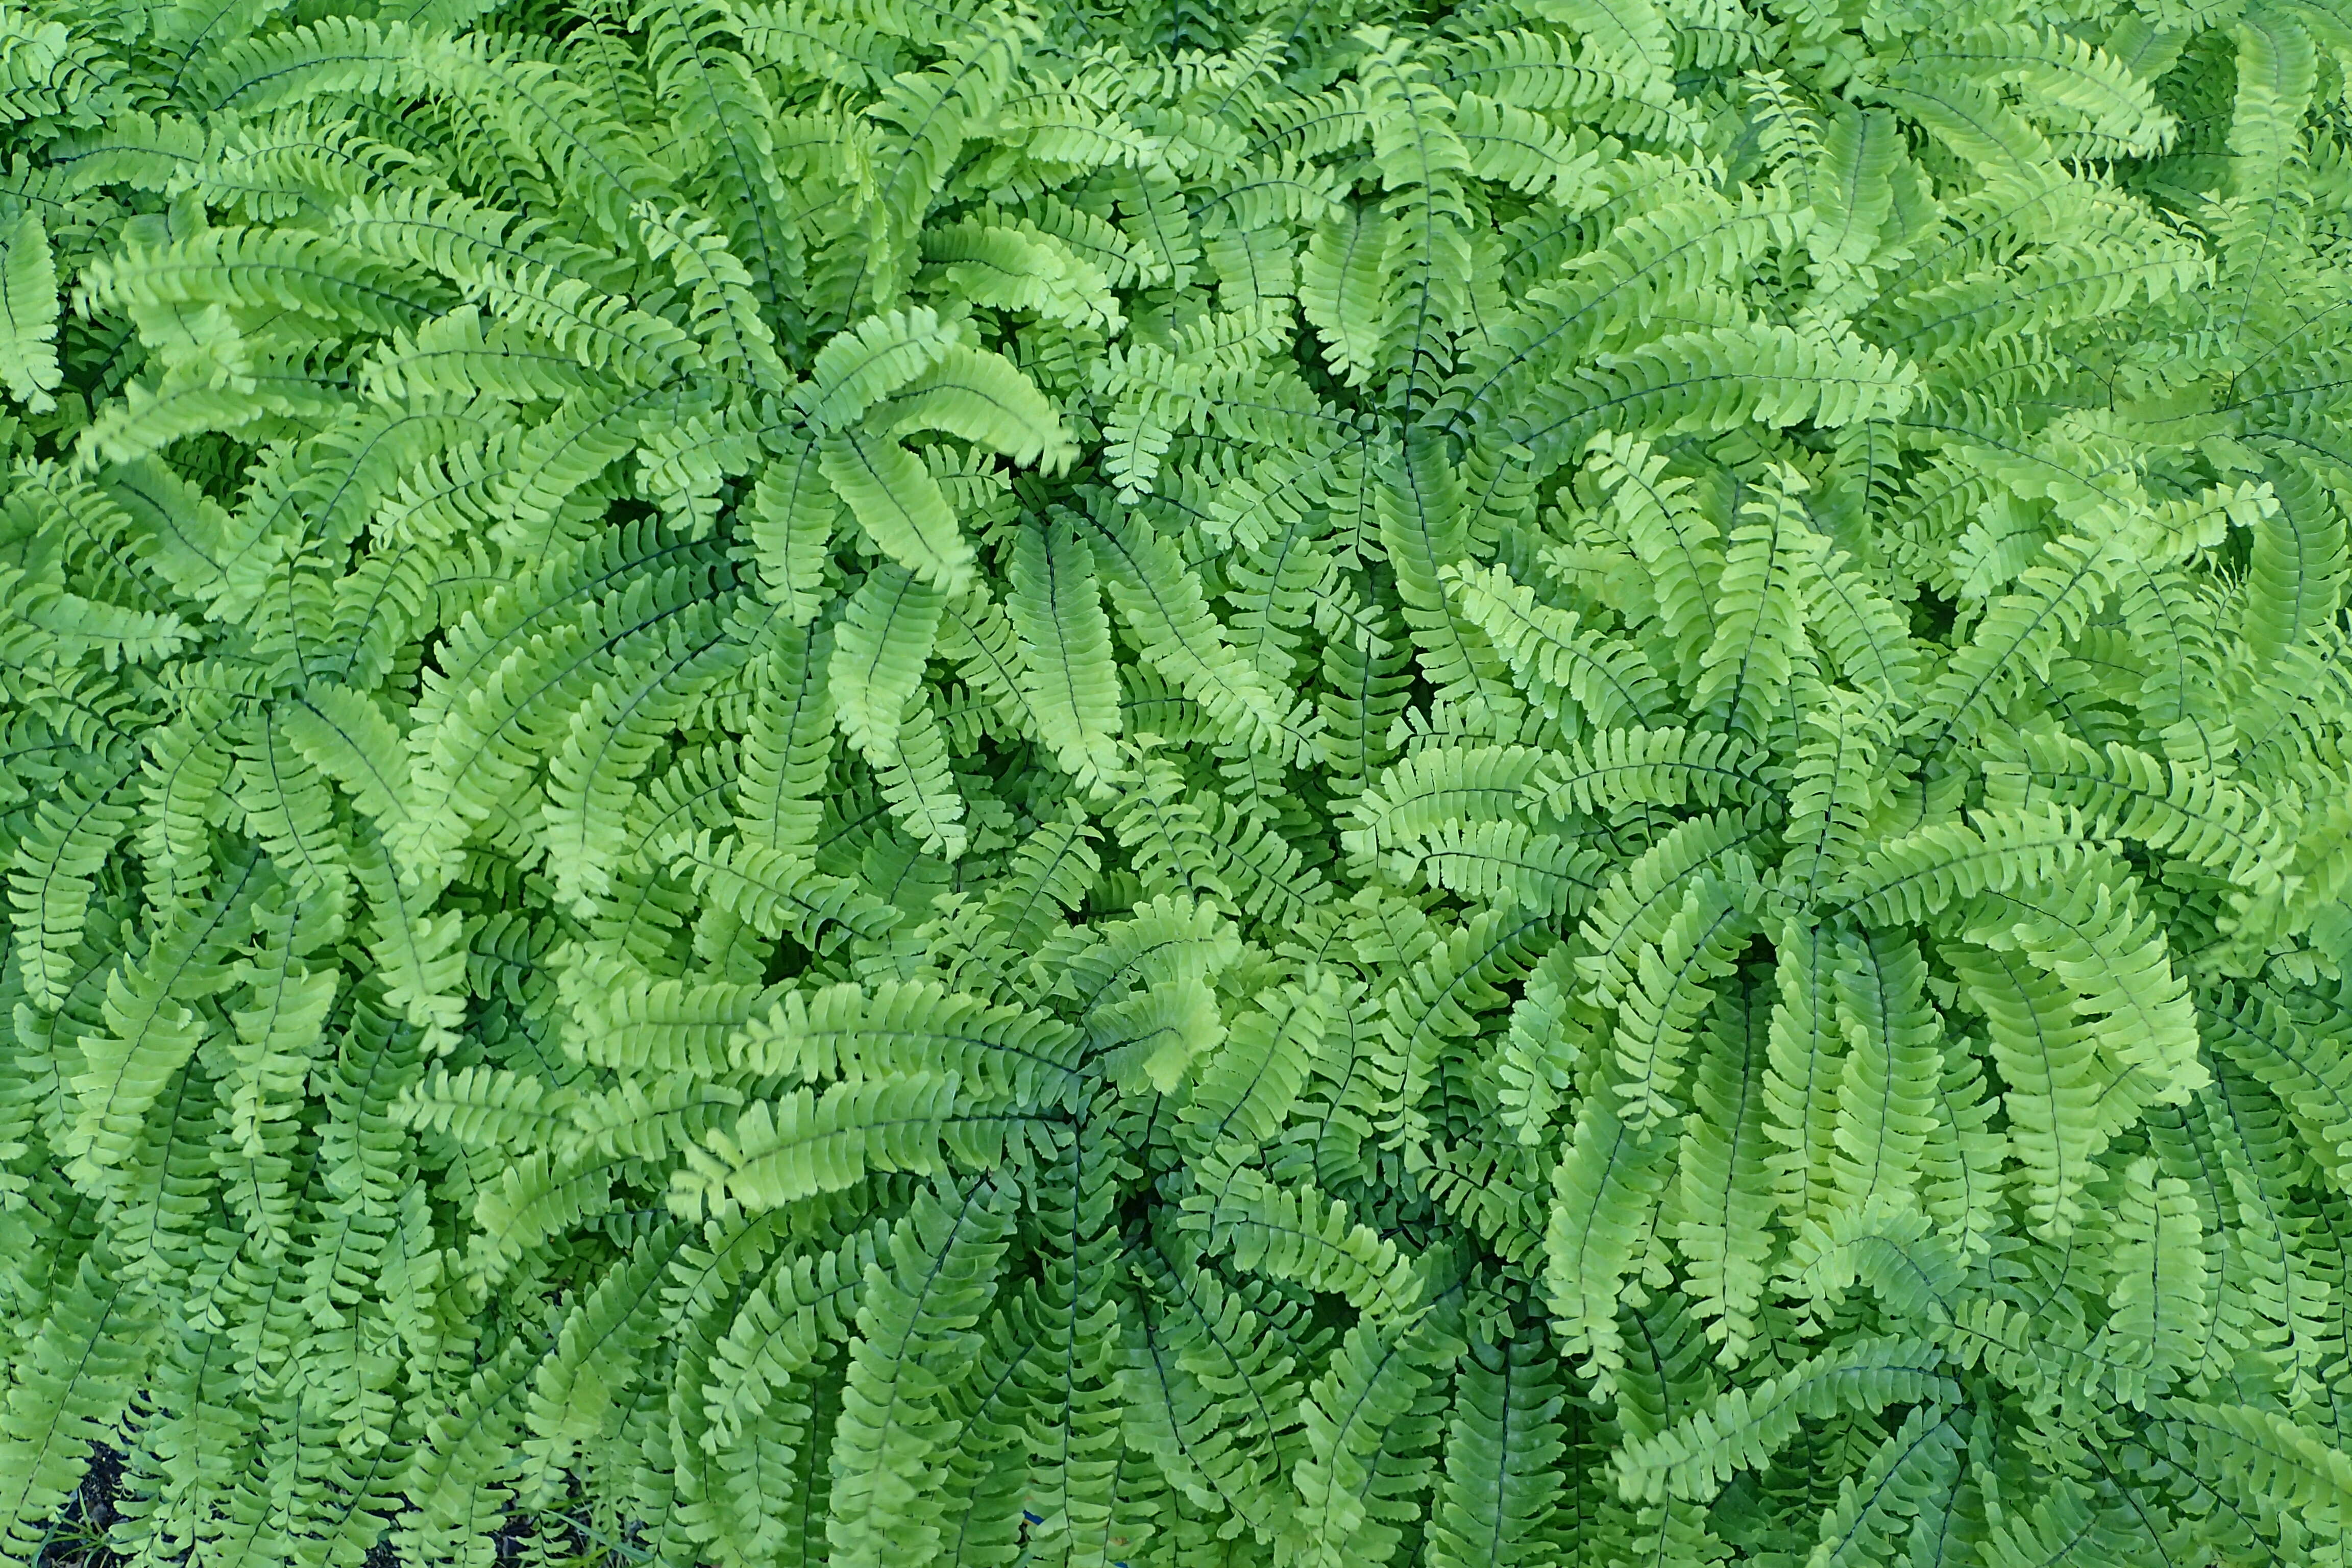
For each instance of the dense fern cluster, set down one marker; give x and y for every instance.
(1566, 783)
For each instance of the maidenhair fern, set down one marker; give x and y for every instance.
(1547, 783)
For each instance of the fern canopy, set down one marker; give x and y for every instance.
(953, 783)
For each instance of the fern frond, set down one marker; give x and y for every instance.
(1298, 1235)
(1676, 541)
(914, 1340)
(1768, 565)
(878, 656)
(1723, 1199)
(51, 880)
(1741, 1431)
(1674, 987)
(1833, 790)
(148, 1030)
(1894, 1493)
(1000, 1054)
(2060, 1113)
(2170, 805)
(1642, 898)
(1893, 1072)
(788, 745)
(1362, 1417)
(28, 298)
(2094, 938)
(1603, 1193)
(1908, 880)
(73, 1375)
(1634, 767)
(806, 1145)
(1245, 1093)
(1162, 601)
(1607, 679)
(1718, 380)
(900, 506)
(784, 1326)
(1071, 682)
(1436, 785)
(2265, 1453)
(1500, 1482)
(774, 891)
(258, 270)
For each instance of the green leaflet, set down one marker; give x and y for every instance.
(878, 657)
(1895, 1497)
(913, 1345)
(1768, 565)
(1068, 676)
(1723, 1201)
(1501, 1485)
(1564, 784)
(900, 506)
(1602, 1195)
(28, 295)
(1741, 1429)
